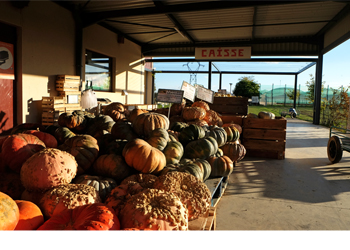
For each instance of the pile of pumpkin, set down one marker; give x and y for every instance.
(134, 170)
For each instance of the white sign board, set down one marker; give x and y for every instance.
(170, 95)
(223, 53)
(189, 91)
(205, 94)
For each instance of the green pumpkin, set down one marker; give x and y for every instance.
(234, 150)
(108, 145)
(219, 134)
(112, 166)
(123, 130)
(158, 138)
(232, 133)
(100, 125)
(201, 148)
(173, 152)
(84, 148)
(219, 152)
(220, 166)
(201, 163)
(62, 134)
(178, 126)
(103, 185)
(191, 133)
(190, 168)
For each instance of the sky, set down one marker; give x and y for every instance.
(336, 72)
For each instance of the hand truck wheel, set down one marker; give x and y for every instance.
(334, 149)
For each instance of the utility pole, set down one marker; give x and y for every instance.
(272, 95)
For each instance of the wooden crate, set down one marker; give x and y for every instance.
(50, 117)
(236, 119)
(53, 103)
(230, 105)
(67, 83)
(264, 137)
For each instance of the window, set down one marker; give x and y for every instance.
(98, 71)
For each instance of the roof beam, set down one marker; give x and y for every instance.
(95, 17)
(155, 60)
(109, 27)
(248, 42)
(341, 14)
(178, 26)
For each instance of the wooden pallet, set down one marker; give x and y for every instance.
(53, 103)
(206, 222)
(66, 83)
(264, 137)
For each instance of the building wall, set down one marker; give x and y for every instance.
(46, 48)
(129, 71)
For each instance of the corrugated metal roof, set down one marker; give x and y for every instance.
(276, 27)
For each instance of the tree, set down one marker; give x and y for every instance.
(247, 87)
(310, 95)
(290, 94)
(338, 108)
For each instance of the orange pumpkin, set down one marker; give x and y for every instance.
(49, 140)
(48, 168)
(30, 216)
(17, 148)
(201, 104)
(95, 216)
(68, 196)
(212, 118)
(134, 113)
(193, 113)
(145, 123)
(177, 108)
(9, 212)
(192, 192)
(164, 211)
(143, 157)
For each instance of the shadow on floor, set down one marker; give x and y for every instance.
(307, 180)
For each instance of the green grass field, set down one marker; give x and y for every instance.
(304, 113)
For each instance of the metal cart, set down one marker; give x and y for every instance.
(339, 140)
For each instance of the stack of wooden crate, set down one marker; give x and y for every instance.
(68, 87)
(68, 99)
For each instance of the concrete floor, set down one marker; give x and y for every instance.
(302, 192)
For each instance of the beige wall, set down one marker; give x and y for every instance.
(46, 48)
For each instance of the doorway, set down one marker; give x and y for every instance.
(8, 38)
